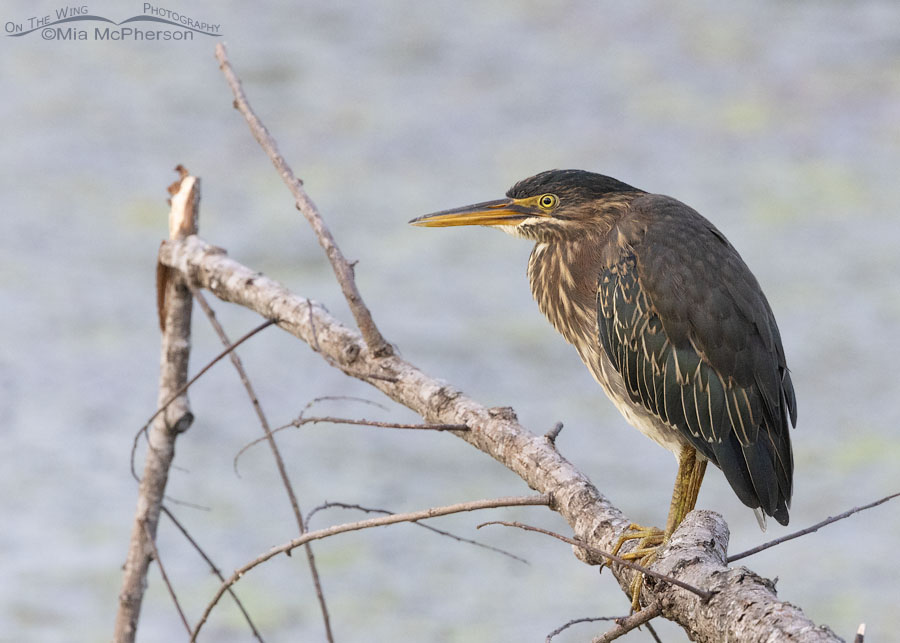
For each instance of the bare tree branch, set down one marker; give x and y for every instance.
(342, 270)
(175, 309)
(309, 536)
(810, 529)
(279, 462)
(695, 553)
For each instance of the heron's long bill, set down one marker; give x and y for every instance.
(499, 212)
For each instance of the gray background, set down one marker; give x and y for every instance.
(780, 121)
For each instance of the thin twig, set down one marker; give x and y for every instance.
(810, 529)
(634, 621)
(653, 632)
(187, 385)
(162, 570)
(309, 405)
(441, 532)
(300, 421)
(342, 270)
(279, 462)
(309, 536)
(342, 398)
(215, 570)
(187, 503)
(575, 621)
(705, 595)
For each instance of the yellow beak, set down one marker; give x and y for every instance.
(492, 213)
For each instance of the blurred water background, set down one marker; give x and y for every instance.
(780, 121)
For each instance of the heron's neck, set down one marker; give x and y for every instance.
(563, 276)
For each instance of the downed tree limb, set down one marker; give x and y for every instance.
(744, 606)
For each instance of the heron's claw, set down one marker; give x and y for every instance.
(650, 539)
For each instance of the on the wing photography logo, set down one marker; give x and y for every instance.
(73, 23)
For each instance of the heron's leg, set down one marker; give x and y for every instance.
(691, 468)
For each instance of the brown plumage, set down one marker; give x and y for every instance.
(666, 316)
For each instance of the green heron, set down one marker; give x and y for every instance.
(669, 320)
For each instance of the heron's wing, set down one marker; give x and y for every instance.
(686, 325)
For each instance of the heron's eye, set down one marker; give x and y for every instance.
(548, 201)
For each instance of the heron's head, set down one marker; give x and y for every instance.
(552, 204)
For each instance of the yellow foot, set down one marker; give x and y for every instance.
(650, 539)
